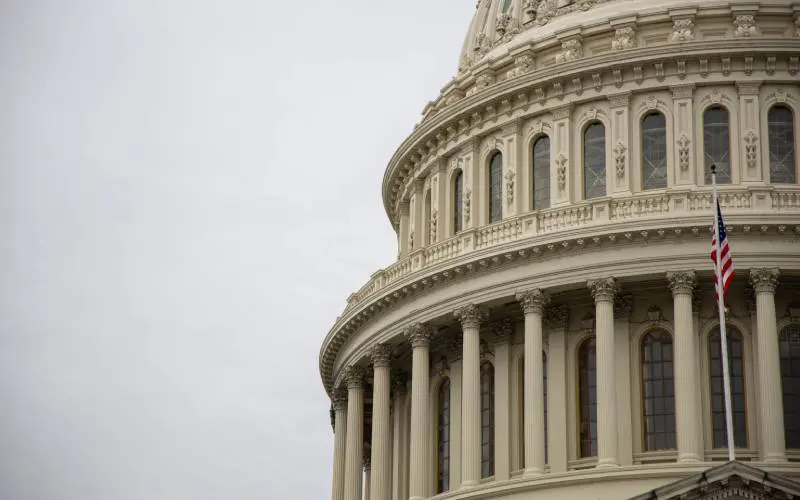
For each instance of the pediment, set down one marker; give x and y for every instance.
(731, 481)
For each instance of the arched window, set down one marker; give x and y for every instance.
(594, 161)
(780, 133)
(789, 342)
(658, 392)
(587, 398)
(458, 202)
(487, 420)
(496, 188)
(443, 438)
(428, 236)
(541, 173)
(717, 144)
(736, 370)
(654, 151)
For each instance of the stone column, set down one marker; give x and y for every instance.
(687, 402)
(557, 319)
(339, 443)
(400, 439)
(420, 337)
(470, 317)
(381, 476)
(603, 291)
(773, 444)
(502, 395)
(367, 479)
(354, 458)
(533, 302)
(623, 305)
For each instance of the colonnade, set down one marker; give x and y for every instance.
(387, 429)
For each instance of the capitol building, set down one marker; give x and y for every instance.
(550, 329)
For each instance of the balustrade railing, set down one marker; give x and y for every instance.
(688, 202)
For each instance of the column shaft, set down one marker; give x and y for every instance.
(400, 441)
(688, 428)
(339, 443)
(470, 317)
(773, 444)
(354, 458)
(367, 482)
(604, 291)
(420, 379)
(502, 405)
(533, 303)
(380, 462)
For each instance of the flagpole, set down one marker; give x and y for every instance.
(726, 379)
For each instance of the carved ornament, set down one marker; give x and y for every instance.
(470, 316)
(354, 377)
(339, 400)
(623, 306)
(557, 316)
(681, 282)
(418, 334)
(684, 153)
(509, 177)
(745, 25)
(381, 355)
(764, 280)
(603, 289)
(624, 38)
(570, 51)
(619, 159)
(561, 171)
(682, 30)
(751, 148)
(503, 330)
(533, 301)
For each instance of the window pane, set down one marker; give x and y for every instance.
(496, 188)
(587, 393)
(717, 145)
(654, 151)
(780, 131)
(541, 173)
(594, 161)
(735, 357)
(443, 435)
(789, 340)
(458, 194)
(487, 420)
(657, 398)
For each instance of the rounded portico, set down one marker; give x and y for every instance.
(550, 326)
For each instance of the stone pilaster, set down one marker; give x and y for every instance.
(618, 178)
(419, 336)
(603, 291)
(687, 397)
(339, 443)
(560, 161)
(684, 170)
(354, 458)
(403, 237)
(533, 303)
(773, 444)
(749, 127)
(470, 317)
(381, 475)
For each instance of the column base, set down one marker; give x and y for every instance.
(532, 472)
(775, 459)
(689, 458)
(607, 463)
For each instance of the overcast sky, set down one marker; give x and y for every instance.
(189, 192)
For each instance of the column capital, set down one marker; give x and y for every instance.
(381, 355)
(681, 282)
(603, 289)
(470, 316)
(339, 400)
(418, 334)
(533, 301)
(405, 207)
(503, 330)
(557, 316)
(354, 377)
(764, 280)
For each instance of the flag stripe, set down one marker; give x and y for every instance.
(724, 269)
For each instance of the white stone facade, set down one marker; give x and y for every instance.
(554, 200)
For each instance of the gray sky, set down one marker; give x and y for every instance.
(189, 192)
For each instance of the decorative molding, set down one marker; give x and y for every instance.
(561, 171)
(748, 88)
(619, 100)
(745, 25)
(557, 317)
(339, 400)
(623, 306)
(467, 205)
(681, 282)
(624, 38)
(685, 91)
(684, 152)
(619, 159)
(562, 112)
(764, 280)
(650, 103)
(434, 225)
(682, 30)
(354, 377)
(503, 330)
(523, 64)
(470, 316)
(570, 51)
(509, 178)
(539, 127)
(751, 149)
(533, 301)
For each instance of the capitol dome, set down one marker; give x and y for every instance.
(550, 328)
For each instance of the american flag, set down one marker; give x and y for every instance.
(724, 270)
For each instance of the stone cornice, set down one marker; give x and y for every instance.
(538, 248)
(460, 121)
